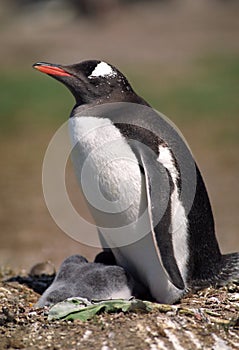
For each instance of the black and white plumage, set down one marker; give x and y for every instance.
(143, 168)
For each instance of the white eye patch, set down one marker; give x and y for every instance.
(102, 70)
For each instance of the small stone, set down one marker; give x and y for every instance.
(44, 268)
(234, 297)
(105, 347)
(4, 291)
(111, 335)
(87, 334)
(10, 317)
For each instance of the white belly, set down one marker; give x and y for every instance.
(107, 171)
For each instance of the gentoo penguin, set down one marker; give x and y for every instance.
(78, 277)
(142, 185)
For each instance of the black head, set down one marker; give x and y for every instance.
(91, 81)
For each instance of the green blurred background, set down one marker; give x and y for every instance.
(181, 56)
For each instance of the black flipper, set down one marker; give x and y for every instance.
(159, 207)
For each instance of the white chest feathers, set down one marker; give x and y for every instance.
(106, 167)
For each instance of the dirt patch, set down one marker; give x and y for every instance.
(208, 319)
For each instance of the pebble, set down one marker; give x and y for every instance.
(234, 297)
(87, 334)
(43, 268)
(111, 335)
(105, 347)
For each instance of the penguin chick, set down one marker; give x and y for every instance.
(79, 278)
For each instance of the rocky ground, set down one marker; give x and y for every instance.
(208, 319)
(165, 48)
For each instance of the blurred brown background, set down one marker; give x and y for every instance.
(181, 55)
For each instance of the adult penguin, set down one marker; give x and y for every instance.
(142, 184)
